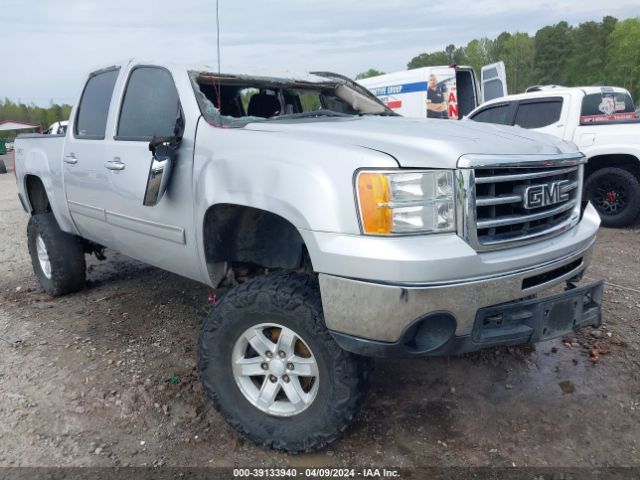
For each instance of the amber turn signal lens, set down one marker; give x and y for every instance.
(374, 195)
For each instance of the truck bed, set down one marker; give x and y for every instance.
(606, 133)
(41, 155)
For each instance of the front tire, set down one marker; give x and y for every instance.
(57, 257)
(3, 167)
(272, 369)
(615, 194)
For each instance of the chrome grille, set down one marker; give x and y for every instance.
(498, 216)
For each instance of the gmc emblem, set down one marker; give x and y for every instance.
(537, 196)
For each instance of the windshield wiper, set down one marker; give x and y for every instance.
(311, 114)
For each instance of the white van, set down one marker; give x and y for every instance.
(438, 92)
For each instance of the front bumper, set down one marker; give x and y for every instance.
(511, 323)
(371, 317)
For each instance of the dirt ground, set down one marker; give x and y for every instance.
(108, 377)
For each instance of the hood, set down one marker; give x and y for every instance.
(420, 143)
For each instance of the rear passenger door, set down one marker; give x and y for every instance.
(546, 115)
(86, 181)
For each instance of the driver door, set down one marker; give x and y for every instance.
(162, 234)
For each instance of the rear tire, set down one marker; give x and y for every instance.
(615, 194)
(276, 306)
(3, 167)
(57, 257)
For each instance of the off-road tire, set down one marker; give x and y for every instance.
(292, 300)
(631, 186)
(3, 167)
(66, 254)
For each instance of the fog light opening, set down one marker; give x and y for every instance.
(430, 333)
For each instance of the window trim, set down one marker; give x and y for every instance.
(541, 100)
(74, 132)
(131, 138)
(510, 104)
(529, 101)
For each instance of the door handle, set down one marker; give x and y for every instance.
(114, 164)
(70, 158)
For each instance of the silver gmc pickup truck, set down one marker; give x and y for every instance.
(343, 230)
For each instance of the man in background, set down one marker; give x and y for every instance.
(436, 101)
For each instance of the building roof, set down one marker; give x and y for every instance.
(16, 125)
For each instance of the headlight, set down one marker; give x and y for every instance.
(406, 203)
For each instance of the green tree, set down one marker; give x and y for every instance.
(497, 46)
(372, 72)
(479, 53)
(428, 60)
(553, 49)
(624, 57)
(455, 55)
(591, 42)
(50, 117)
(517, 53)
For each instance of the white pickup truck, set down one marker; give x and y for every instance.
(602, 122)
(358, 232)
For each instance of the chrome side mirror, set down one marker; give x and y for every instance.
(164, 156)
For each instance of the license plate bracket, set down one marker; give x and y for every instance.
(539, 319)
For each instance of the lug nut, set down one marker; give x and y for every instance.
(268, 354)
(265, 366)
(290, 366)
(285, 378)
(282, 354)
(273, 378)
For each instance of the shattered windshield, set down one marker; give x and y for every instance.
(235, 100)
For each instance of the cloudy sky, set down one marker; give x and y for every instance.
(49, 45)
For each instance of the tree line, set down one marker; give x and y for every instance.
(32, 114)
(605, 52)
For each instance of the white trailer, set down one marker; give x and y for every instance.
(448, 92)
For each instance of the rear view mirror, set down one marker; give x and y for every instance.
(164, 155)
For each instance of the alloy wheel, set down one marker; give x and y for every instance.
(275, 369)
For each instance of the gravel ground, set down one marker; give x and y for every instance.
(108, 377)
